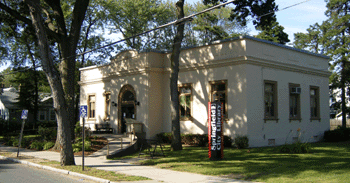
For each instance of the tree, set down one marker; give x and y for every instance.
(30, 82)
(133, 17)
(174, 75)
(332, 37)
(273, 32)
(338, 47)
(313, 40)
(214, 25)
(50, 24)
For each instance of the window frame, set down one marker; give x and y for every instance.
(275, 99)
(39, 115)
(298, 115)
(186, 85)
(89, 107)
(107, 96)
(217, 82)
(317, 98)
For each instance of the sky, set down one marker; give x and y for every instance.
(297, 18)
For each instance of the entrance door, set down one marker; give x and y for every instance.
(126, 107)
(128, 111)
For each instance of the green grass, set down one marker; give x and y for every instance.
(109, 175)
(327, 162)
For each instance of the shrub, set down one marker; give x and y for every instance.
(200, 140)
(47, 133)
(297, 147)
(241, 142)
(78, 131)
(77, 147)
(37, 145)
(164, 138)
(48, 145)
(227, 141)
(15, 143)
(337, 135)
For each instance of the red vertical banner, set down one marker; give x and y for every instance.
(215, 130)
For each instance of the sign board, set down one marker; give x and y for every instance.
(83, 111)
(24, 114)
(215, 130)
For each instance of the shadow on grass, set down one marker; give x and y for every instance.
(261, 163)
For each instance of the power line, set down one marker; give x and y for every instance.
(176, 22)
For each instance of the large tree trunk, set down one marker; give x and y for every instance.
(175, 56)
(53, 76)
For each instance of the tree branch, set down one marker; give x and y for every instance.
(15, 14)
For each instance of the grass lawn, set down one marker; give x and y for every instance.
(327, 162)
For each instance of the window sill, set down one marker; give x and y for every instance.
(315, 119)
(271, 119)
(294, 119)
(90, 119)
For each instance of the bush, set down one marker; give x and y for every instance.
(47, 124)
(337, 135)
(37, 145)
(48, 145)
(164, 138)
(78, 131)
(297, 147)
(77, 147)
(200, 140)
(47, 133)
(241, 142)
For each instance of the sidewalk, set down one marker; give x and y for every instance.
(98, 160)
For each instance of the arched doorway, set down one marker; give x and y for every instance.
(126, 106)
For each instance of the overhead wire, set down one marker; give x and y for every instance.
(176, 22)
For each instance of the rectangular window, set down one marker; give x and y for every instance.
(294, 101)
(91, 106)
(107, 105)
(52, 115)
(42, 115)
(270, 99)
(218, 91)
(185, 100)
(314, 103)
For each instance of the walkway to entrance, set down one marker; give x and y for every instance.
(116, 142)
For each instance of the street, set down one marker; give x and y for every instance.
(11, 172)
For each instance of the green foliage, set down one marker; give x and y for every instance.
(48, 145)
(47, 133)
(77, 147)
(274, 33)
(47, 124)
(297, 147)
(241, 141)
(200, 140)
(337, 135)
(37, 145)
(78, 131)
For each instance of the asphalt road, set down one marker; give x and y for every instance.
(11, 172)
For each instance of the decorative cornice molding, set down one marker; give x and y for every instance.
(254, 61)
(125, 73)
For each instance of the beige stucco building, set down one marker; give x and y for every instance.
(269, 90)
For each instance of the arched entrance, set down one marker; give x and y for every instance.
(126, 106)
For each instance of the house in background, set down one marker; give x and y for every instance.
(10, 111)
(269, 91)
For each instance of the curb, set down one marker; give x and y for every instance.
(56, 170)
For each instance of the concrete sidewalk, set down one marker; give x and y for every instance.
(120, 166)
